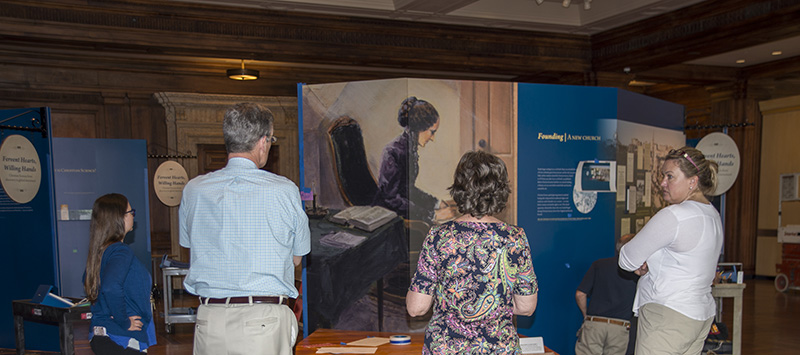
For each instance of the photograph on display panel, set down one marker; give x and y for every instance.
(640, 154)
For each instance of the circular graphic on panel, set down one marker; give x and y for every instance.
(21, 173)
(584, 200)
(721, 148)
(169, 181)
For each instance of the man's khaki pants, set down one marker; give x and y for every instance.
(258, 328)
(599, 338)
(663, 330)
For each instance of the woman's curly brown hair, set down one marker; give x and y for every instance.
(480, 184)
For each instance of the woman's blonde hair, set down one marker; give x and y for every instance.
(693, 162)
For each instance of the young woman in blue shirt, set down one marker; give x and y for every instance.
(116, 283)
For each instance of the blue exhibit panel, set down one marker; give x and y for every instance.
(86, 169)
(649, 111)
(46, 239)
(559, 127)
(303, 276)
(28, 235)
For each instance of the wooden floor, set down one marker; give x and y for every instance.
(771, 325)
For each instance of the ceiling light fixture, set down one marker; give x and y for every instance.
(777, 52)
(634, 82)
(539, 2)
(640, 83)
(587, 4)
(242, 74)
(566, 3)
(740, 61)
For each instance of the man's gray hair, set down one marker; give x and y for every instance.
(244, 124)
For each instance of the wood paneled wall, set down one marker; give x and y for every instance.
(733, 107)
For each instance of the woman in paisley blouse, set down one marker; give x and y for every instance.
(476, 271)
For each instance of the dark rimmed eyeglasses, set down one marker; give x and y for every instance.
(272, 139)
(685, 155)
(132, 212)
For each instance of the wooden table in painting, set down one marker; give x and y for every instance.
(333, 338)
(336, 277)
(65, 317)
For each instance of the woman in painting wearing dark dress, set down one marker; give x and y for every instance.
(397, 188)
(475, 271)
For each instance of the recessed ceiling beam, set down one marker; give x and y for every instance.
(431, 6)
(702, 30)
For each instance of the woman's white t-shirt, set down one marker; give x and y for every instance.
(681, 245)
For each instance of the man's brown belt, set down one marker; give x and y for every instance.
(608, 320)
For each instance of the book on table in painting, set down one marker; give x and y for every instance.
(367, 218)
(341, 239)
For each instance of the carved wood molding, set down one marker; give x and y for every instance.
(193, 119)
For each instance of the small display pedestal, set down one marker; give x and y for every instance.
(65, 317)
(735, 291)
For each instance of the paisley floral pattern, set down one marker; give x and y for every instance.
(472, 270)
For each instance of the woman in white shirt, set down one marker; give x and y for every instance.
(676, 255)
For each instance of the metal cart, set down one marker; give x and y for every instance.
(172, 314)
(789, 270)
